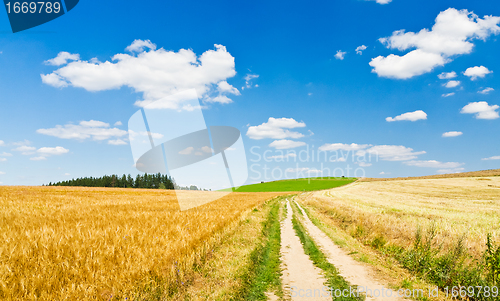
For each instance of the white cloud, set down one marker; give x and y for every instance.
(94, 124)
(359, 50)
(48, 151)
(486, 90)
(97, 130)
(67, 174)
(117, 142)
(447, 75)
(477, 71)
(340, 55)
(452, 84)
(62, 58)
(286, 144)
(452, 134)
(139, 45)
(383, 1)
(410, 116)
(414, 63)
(481, 109)
(281, 157)
(5, 154)
(451, 170)
(3, 159)
(25, 149)
(248, 80)
(303, 169)
(448, 94)
(275, 128)
(187, 151)
(40, 158)
(220, 99)
(156, 73)
(433, 164)
(391, 152)
(491, 158)
(343, 147)
(2, 143)
(224, 87)
(384, 173)
(2, 173)
(118, 123)
(364, 164)
(451, 35)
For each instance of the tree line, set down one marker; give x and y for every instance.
(150, 181)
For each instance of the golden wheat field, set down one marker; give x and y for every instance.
(67, 243)
(394, 210)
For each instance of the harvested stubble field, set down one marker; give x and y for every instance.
(393, 210)
(67, 243)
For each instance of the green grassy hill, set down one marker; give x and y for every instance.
(305, 184)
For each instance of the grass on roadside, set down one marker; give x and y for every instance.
(334, 280)
(264, 274)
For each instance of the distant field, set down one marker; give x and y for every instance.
(307, 184)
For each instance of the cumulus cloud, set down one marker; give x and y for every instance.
(286, 144)
(359, 50)
(481, 109)
(448, 94)
(3, 159)
(2, 173)
(303, 169)
(451, 170)
(340, 55)
(4, 154)
(49, 151)
(343, 147)
(140, 45)
(92, 129)
(477, 71)
(276, 128)
(452, 134)
(486, 90)
(156, 74)
(491, 158)
(2, 143)
(433, 164)
(410, 116)
(118, 123)
(117, 142)
(452, 34)
(414, 63)
(39, 158)
(248, 80)
(282, 157)
(62, 58)
(452, 84)
(391, 152)
(25, 149)
(447, 75)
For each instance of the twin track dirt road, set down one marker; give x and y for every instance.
(304, 281)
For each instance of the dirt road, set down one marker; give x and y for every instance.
(352, 271)
(301, 279)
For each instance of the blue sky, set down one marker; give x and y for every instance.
(293, 62)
